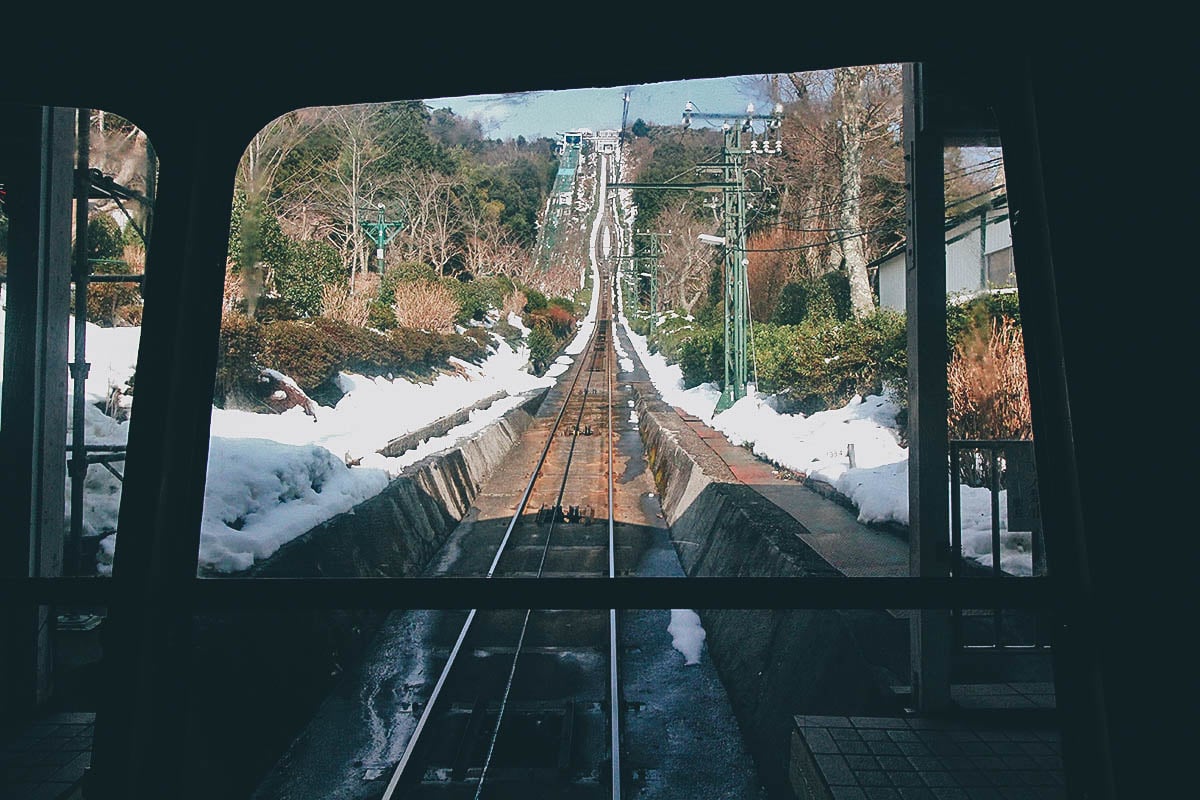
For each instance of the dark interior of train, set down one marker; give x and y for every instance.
(1066, 111)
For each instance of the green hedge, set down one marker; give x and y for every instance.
(313, 352)
(822, 363)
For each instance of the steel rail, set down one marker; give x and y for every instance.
(614, 696)
(427, 713)
(562, 488)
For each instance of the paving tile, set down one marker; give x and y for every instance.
(835, 770)
(881, 793)
(975, 748)
(914, 793)
(1036, 778)
(1018, 793)
(1019, 762)
(903, 736)
(872, 777)
(892, 763)
(845, 734)
(861, 762)
(823, 722)
(884, 748)
(905, 779)
(937, 778)
(1006, 748)
(1033, 688)
(818, 740)
(982, 689)
(57, 789)
(949, 793)
(895, 723)
(913, 748)
(74, 769)
(924, 763)
(1048, 762)
(847, 793)
(74, 717)
(1022, 736)
(873, 735)
(983, 793)
(854, 748)
(968, 778)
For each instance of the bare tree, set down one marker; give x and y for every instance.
(490, 249)
(433, 231)
(352, 181)
(256, 176)
(850, 125)
(686, 261)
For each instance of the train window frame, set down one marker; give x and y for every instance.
(158, 570)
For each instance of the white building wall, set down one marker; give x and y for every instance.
(964, 273)
(891, 283)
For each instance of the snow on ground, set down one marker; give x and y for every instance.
(272, 477)
(687, 634)
(817, 445)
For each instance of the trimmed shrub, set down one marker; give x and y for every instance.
(826, 296)
(237, 359)
(822, 363)
(300, 350)
(476, 297)
(426, 306)
(534, 300)
(702, 358)
(542, 346)
(300, 277)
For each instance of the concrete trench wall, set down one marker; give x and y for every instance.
(257, 677)
(396, 532)
(774, 664)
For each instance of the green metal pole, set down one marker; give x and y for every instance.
(653, 280)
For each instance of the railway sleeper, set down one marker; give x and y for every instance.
(535, 744)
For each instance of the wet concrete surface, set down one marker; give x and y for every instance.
(680, 738)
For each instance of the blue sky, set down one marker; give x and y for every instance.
(536, 114)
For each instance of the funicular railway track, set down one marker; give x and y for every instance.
(528, 702)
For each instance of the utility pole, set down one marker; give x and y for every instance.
(652, 274)
(382, 233)
(737, 290)
(732, 184)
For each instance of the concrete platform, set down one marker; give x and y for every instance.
(908, 758)
(46, 759)
(832, 530)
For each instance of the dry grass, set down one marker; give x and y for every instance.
(135, 256)
(514, 303)
(989, 391)
(426, 306)
(337, 302)
(234, 290)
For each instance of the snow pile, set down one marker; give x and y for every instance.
(373, 411)
(261, 494)
(687, 634)
(818, 446)
(272, 477)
